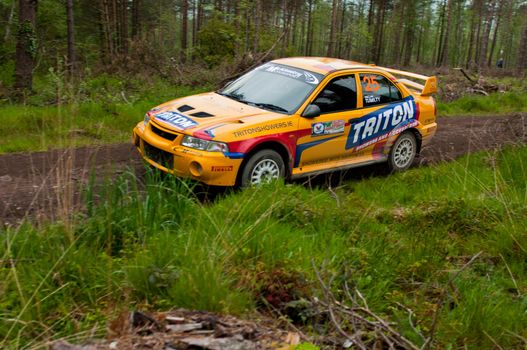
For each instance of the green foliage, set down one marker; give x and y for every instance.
(103, 110)
(217, 42)
(398, 239)
(26, 35)
(496, 103)
(7, 74)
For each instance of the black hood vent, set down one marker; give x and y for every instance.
(185, 108)
(202, 115)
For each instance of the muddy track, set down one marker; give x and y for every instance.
(44, 185)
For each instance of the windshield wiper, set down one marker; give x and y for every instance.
(270, 106)
(234, 97)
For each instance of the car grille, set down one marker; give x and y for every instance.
(164, 134)
(159, 156)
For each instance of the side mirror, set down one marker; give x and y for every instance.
(312, 111)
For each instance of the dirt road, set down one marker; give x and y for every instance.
(45, 184)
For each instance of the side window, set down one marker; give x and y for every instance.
(340, 94)
(378, 90)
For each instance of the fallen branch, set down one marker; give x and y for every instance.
(466, 75)
(364, 322)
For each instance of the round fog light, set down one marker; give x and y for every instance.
(196, 169)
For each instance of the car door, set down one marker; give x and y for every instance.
(323, 138)
(383, 111)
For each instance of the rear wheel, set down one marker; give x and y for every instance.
(263, 167)
(403, 152)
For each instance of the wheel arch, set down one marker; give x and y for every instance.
(274, 145)
(418, 138)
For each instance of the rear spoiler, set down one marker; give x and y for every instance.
(429, 88)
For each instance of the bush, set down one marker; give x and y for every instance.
(217, 42)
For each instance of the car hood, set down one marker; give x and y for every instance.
(209, 110)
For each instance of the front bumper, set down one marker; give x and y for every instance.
(211, 168)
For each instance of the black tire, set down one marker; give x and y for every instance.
(403, 152)
(263, 167)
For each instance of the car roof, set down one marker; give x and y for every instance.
(322, 65)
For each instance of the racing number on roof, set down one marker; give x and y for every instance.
(371, 83)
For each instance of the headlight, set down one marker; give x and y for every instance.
(204, 145)
(147, 119)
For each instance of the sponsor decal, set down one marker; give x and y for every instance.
(176, 120)
(262, 128)
(187, 151)
(372, 128)
(328, 128)
(210, 131)
(222, 168)
(290, 72)
(372, 99)
(383, 123)
(234, 155)
(310, 78)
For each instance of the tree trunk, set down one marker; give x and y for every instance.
(379, 32)
(507, 39)
(473, 38)
(184, 29)
(333, 30)
(26, 46)
(107, 51)
(399, 12)
(440, 39)
(136, 22)
(409, 34)
(485, 38)
(495, 34)
(342, 23)
(285, 20)
(247, 30)
(478, 33)
(370, 14)
(522, 54)
(309, 39)
(71, 37)
(237, 24)
(200, 16)
(444, 54)
(9, 21)
(123, 16)
(257, 22)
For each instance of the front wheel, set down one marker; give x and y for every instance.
(403, 152)
(263, 167)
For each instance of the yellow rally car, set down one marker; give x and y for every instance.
(290, 118)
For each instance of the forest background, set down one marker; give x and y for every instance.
(171, 39)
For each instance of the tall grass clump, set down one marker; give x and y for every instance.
(402, 240)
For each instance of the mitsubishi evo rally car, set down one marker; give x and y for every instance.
(290, 118)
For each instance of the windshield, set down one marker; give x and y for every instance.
(274, 87)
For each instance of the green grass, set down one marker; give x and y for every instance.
(97, 113)
(398, 239)
(494, 104)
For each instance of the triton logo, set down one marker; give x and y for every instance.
(176, 120)
(380, 122)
